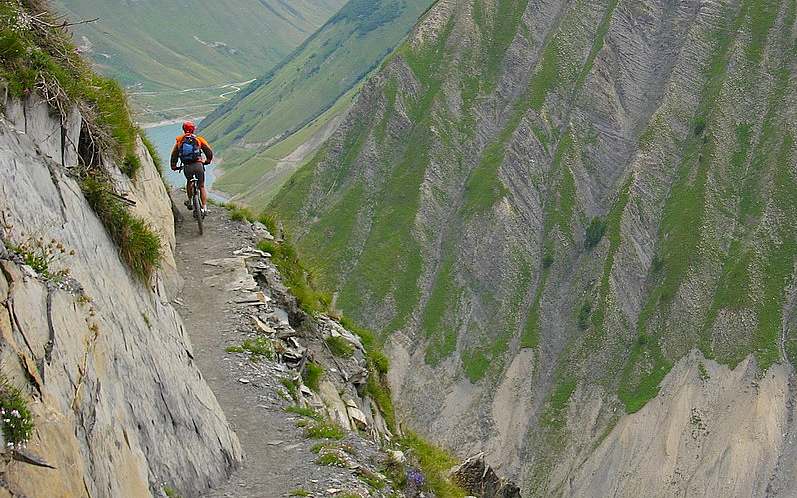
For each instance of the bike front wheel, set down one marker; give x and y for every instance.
(198, 212)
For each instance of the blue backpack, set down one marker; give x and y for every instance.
(190, 150)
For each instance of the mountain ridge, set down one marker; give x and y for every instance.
(307, 87)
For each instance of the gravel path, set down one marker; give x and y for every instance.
(277, 458)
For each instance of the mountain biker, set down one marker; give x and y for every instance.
(189, 149)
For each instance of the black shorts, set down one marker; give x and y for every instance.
(198, 169)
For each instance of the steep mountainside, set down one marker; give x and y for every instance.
(97, 351)
(99, 392)
(301, 88)
(161, 48)
(575, 223)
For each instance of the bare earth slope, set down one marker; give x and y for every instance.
(575, 222)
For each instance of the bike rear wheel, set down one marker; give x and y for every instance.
(197, 210)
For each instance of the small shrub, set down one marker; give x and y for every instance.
(324, 430)
(304, 412)
(700, 125)
(312, 375)
(595, 232)
(239, 213)
(340, 346)
(17, 421)
(331, 460)
(269, 222)
(299, 492)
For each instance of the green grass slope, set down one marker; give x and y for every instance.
(304, 86)
(254, 176)
(566, 179)
(161, 48)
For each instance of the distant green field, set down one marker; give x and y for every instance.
(324, 68)
(252, 177)
(159, 48)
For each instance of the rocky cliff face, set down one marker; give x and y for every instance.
(119, 406)
(575, 223)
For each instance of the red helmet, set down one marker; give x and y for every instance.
(189, 127)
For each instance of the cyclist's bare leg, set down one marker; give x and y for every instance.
(203, 194)
(189, 190)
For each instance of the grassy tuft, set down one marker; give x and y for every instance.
(259, 348)
(139, 245)
(39, 58)
(340, 346)
(331, 460)
(269, 221)
(312, 375)
(324, 430)
(153, 153)
(290, 386)
(370, 478)
(239, 213)
(304, 412)
(435, 464)
(296, 276)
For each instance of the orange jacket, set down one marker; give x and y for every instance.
(202, 143)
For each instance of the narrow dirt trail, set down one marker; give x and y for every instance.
(276, 460)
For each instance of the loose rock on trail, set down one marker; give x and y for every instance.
(231, 294)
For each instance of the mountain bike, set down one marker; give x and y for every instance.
(196, 203)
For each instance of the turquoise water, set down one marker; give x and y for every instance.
(162, 138)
